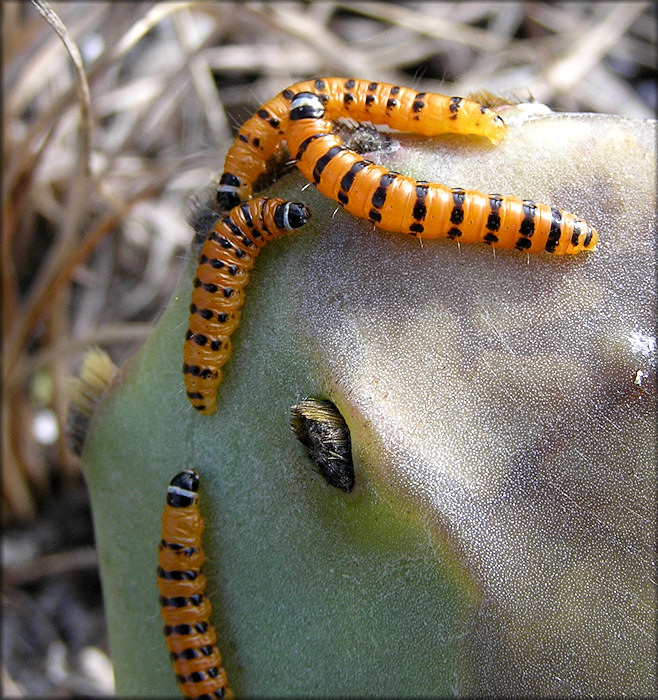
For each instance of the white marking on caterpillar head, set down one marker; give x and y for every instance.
(178, 490)
(228, 188)
(286, 216)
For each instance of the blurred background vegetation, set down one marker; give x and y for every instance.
(114, 112)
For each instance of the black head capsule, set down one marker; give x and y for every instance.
(306, 105)
(183, 489)
(228, 191)
(291, 215)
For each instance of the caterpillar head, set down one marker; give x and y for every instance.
(231, 191)
(182, 491)
(306, 105)
(291, 215)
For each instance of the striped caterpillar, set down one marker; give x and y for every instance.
(189, 634)
(222, 273)
(395, 202)
(401, 108)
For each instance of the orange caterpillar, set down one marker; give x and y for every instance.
(400, 108)
(189, 634)
(226, 258)
(395, 202)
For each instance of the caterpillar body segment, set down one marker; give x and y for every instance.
(395, 202)
(226, 259)
(401, 108)
(189, 634)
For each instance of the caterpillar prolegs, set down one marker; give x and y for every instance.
(395, 202)
(189, 634)
(401, 108)
(226, 258)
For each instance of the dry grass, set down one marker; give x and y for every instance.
(114, 114)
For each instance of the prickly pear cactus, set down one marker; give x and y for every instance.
(500, 536)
